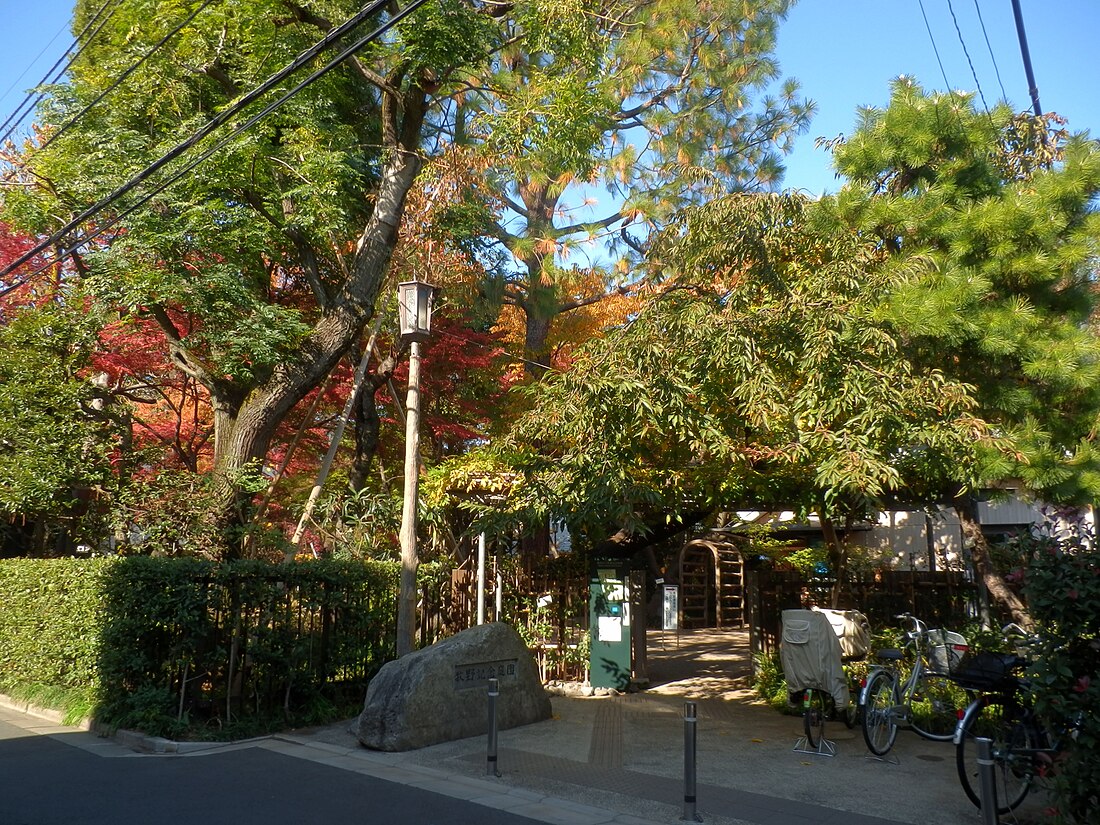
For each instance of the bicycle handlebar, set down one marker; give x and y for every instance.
(919, 627)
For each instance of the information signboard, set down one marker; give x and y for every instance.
(671, 619)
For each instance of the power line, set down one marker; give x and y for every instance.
(37, 57)
(966, 52)
(122, 78)
(17, 117)
(238, 130)
(992, 57)
(946, 82)
(214, 123)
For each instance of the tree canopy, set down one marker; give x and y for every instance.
(992, 237)
(259, 266)
(989, 223)
(596, 123)
(760, 376)
(924, 334)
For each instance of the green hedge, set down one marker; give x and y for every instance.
(186, 648)
(50, 635)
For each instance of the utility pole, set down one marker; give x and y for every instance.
(406, 605)
(415, 305)
(1032, 89)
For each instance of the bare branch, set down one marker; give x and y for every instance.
(602, 223)
(568, 306)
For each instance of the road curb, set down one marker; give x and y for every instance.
(134, 740)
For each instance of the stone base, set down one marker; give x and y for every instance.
(440, 693)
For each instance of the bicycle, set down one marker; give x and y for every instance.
(812, 655)
(1023, 748)
(926, 699)
(819, 705)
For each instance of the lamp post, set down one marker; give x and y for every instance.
(415, 309)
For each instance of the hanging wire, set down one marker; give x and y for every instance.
(214, 123)
(23, 73)
(927, 25)
(122, 77)
(962, 42)
(996, 68)
(17, 117)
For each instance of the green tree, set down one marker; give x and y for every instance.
(57, 436)
(990, 239)
(628, 98)
(261, 266)
(762, 375)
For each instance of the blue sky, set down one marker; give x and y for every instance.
(844, 52)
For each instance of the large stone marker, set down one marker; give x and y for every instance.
(439, 693)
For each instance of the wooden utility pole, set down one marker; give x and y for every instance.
(406, 600)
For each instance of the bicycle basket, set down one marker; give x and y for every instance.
(989, 672)
(946, 650)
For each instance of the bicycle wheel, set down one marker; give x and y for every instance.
(880, 727)
(935, 707)
(850, 714)
(1014, 740)
(813, 717)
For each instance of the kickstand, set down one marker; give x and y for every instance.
(889, 760)
(825, 747)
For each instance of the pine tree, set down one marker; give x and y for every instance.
(988, 222)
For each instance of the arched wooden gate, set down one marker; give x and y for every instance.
(712, 592)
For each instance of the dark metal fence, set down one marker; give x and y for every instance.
(939, 598)
(181, 649)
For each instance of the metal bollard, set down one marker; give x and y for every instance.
(987, 781)
(689, 764)
(491, 758)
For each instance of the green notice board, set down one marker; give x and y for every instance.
(609, 623)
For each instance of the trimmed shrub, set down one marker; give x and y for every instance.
(50, 631)
(188, 648)
(1062, 583)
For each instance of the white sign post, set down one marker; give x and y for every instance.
(671, 614)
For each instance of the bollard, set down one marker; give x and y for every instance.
(987, 781)
(689, 764)
(491, 758)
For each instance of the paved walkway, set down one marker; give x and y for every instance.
(620, 759)
(624, 755)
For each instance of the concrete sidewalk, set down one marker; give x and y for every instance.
(625, 754)
(620, 759)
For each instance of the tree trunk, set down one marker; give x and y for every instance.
(368, 424)
(967, 509)
(539, 310)
(838, 558)
(368, 427)
(245, 436)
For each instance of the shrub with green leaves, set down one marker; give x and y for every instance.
(188, 648)
(1062, 584)
(50, 631)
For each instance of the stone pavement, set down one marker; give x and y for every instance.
(624, 755)
(620, 759)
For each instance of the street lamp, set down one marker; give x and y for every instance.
(415, 310)
(414, 299)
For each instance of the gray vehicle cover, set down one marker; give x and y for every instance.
(852, 629)
(810, 654)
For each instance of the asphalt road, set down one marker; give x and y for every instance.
(45, 781)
